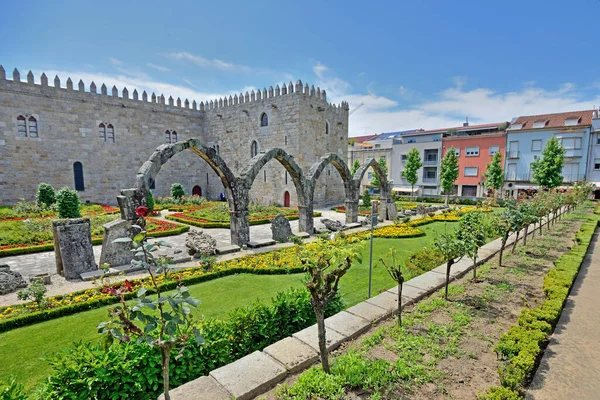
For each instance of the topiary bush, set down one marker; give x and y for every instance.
(45, 196)
(366, 198)
(177, 191)
(150, 201)
(68, 203)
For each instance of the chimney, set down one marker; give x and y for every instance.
(466, 123)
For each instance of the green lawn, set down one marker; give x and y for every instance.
(25, 346)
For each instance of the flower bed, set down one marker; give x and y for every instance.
(361, 210)
(395, 231)
(87, 210)
(204, 223)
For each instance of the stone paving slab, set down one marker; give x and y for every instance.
(228, 249)
(302, 235)
(352, 225)
(411, 293)
(387, 301)
(250, 375)
(253, 244)
(347, 324)
(369, 311)
(457, 270)
(203, 388)
(294, 354)
(309, 336)
(429, 282)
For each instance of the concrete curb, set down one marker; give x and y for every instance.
(258, 372)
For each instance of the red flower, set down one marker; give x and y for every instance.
(141, 211)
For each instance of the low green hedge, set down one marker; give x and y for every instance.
(523, 344)
(226, 225)
(132, 371)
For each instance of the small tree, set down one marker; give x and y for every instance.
(505, 223)
(150, 201)
(355, 167)
(170, 328)
(449, 172)
(394, 268)
(45, 196)
(375, 180)
(325, 261)
(451, 249)
(177, 191)
(494, 174)
(412, 165)
(472, 233)
(366, 198)
(548, 169)
(68, 203)
(34, 292)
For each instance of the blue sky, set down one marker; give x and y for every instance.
(417, 64)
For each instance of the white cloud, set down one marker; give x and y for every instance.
(189, 83)
(115, 62)
(157, 67)
(206, 63)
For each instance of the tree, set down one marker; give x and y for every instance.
(505, 223)
(150, 201)
(355, 167)
(383, 165)
(412, 165)
(177, 190)
(395, 270)
(547, 170)
(326, 261)
(494, 174)
(472, 233)
(449, 172)
(451, 248)
(45, 196)
(366, 198)
(68, 203)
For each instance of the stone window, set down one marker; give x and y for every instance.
(173, 137)
(110, 133)
(170, 137)
(264, 119)
(167, 137)
(253, 149)
(22, 126)
(78, 175)
(286, 177)
(218, 150)
(264, 175)
(33, 129)
(327, 128)
(102, 131)
(27, 126)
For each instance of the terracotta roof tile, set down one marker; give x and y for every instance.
(555, 120)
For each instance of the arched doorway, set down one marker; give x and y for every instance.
(197, 191)
(286, 199)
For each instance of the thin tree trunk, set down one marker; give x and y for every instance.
(165, 353)
(516, 241)
(448, 266)
(541, 223)
(320, 314)
(447, 196)
(525, 235)
(502, 250)
(400, 304)
(533, 232)
(475, 267)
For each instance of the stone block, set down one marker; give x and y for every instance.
(457, 270)
(410, 293)
(260, 243)
(385, 300)
(369, 311)
(429, 282)
(10, 280)
(352, 225)
(294, 354)
(303, 235)
(250, 375)
(227, 249)
(309, 336)
(116, 254)
(347, 324)
(281, 229)
(73, 247)
(45, 278)
(203, 388)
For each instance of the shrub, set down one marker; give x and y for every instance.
(45, 196)
(35, 292)
(366, 198)
(12, 390)
(68, 203)
(499, 393)
(424, 260)
(177, 191)
(150, 201)
(314, 383)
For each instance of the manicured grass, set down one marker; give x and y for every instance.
(25, 346)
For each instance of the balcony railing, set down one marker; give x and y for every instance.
(430, 162)
(528, 177)
(430, 180)
(513, 154)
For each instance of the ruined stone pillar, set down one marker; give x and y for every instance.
(305, 219)
(240, 227)
(351, 211)
(129, 201)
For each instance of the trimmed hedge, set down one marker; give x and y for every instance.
(132, 371)
(226, 225)
(523, 344)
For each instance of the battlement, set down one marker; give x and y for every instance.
(171, 103)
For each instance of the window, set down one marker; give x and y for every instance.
(153, 185)
(540, 124)
(598, 138)
(369, 175)
(110, 133)
(494, 150)
(511, 172)
(516, 126)
(264, 119)
(102, 132)
(572, 121)
(21, 126)
(437, 139)
(571, 143)
(173, 137)
(170, 137)
(403, 157)
(410, 141)
(457, 152)
(78, 175)
(597, 164)
(285, 140)
(472, 151)
(253, 149)
(286, 177)
(327, 128)
(167, 137)
(33, 131)
(536, 145)
(470, 171)
(570, 172)
(265, 175)
(218, 149)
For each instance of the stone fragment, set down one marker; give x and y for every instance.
(227, 249)
(10, 280)
(332, 224)
(280, 226)
(116, 254)
(200, 243)
(73, 247)
(294, 354)
(260, 243)
(45, 278)
(250, 375)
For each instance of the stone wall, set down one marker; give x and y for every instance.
(68, 121)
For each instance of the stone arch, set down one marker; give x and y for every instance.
(383, 182)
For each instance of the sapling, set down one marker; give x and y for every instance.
(326, 261)
(451, 249)
(472, 233)
(394, 268)
(34, 292)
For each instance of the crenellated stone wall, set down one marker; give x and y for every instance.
(300, 121)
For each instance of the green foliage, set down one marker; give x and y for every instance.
(471, 233)
(384, 169)
(45, 196)
(313, 384)
(424, 260)
(150, 201)
(34, 292)
(12, 390)
(132, 370)
(547, 169)
(494, 174)
(448, 171)
(413, 163)
(355, 167)
(366, 198)
(499, 393)
(68, 203)
(177, 191)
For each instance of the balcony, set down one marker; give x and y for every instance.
(573, 153)
(430, 162)
(513, 154)
(528, 177)
(430, 180)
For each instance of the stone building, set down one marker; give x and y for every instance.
(94, 139)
